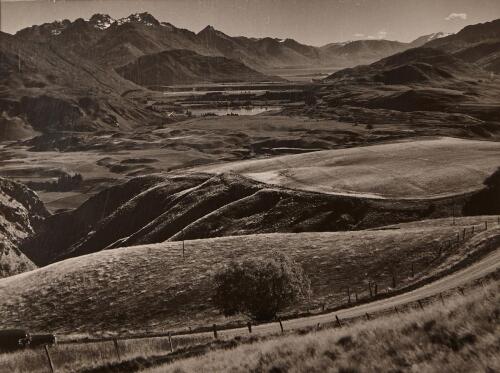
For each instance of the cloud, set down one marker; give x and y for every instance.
(359, 35)
(382, 34)
(455, 16)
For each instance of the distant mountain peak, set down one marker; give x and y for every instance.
(210, 30)
(427, 38)
(101, 21)
(142, 18)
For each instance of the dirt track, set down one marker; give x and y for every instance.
(487, 265)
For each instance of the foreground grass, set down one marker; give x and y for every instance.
(80, 357)
(151, 288)
(461, 336)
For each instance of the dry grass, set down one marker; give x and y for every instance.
(413, 169)
(150, 288)
(76, 357)
(460, 337)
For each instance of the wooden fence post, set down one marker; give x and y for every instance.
(486, 225)
(215, 331)
(115, 342)
(396, 309)
(356, 295)
(183, 249)
(170, 342)
(442, 299)
(412, 270)
(281, 325)
(367, 317)
(376, 289)
(393, 280)
(461, 291)
(370, 288)
(249, 326)
(338, 321)
(420, 304)
(49, 359)
(348, 295)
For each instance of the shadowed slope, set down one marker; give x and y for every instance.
(182, 66)
(21, 213)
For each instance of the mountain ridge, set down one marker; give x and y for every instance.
(147, 35)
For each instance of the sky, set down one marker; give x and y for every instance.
(314, 22)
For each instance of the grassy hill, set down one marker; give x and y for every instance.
(112, 289)
(192, 205)
(416, 169)
(460, 336)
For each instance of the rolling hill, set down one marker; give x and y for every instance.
(347, 189)
(408, 169)
(110, 290)
(180, 66)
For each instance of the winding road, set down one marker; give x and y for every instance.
(489, 264)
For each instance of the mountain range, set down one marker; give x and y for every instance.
(452, 74)
(76, 76)
(118, 42)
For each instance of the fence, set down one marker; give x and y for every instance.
(462, 235)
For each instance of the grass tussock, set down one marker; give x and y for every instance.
(462, 336)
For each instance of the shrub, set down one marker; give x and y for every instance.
(260, 287)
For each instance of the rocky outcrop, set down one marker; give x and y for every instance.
(21, 213)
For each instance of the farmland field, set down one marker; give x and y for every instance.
(408, 169)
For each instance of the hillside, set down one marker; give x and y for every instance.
(477, 44)
(79, 97)
(419, 65)
(419, 81)
(21, 214)
(182, 66)
(109, 290)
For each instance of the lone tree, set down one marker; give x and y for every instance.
(260, 287)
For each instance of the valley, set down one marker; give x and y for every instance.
(138, 159)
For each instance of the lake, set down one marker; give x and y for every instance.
(254, 110)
